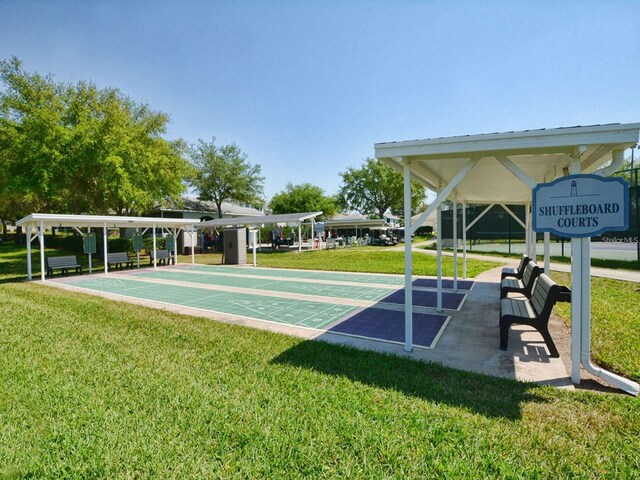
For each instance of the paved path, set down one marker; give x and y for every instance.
(626, 275)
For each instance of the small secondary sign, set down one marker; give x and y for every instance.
(581, 206)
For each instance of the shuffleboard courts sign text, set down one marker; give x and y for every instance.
(581, 206)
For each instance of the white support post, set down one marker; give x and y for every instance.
(175, 246)
(105, 247)
(576, 308)
(576, 296)
(41, 238)
(28, 229)
(155, 259)
(534, 236)
(138, 251)
(455, 245)
(547, 252)
(90, 266)
(439, 249)
(255, 241)
(464, 240)
(527, 231)
(299, 237)
(193, 247)
(408, 263)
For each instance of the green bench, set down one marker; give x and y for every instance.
(162, 257)
(119, 259)
(64, 264)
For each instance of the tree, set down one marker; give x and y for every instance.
(79, 149)
(303, 198)
(223, 173)
(375, 188)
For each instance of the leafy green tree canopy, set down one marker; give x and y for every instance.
(303, 198)
(374, 188)
(79, 149)
(222, 173)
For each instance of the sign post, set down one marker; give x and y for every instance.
(579, 207)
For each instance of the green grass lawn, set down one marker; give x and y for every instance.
(94, 388)
(615, 323)
(373, 259)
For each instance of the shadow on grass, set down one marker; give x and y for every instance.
(481, 394)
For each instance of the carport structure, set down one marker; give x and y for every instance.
(36, 223)
(503, 168)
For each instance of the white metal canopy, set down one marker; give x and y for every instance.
(98, 221)
(40, 221)
(502, 168)
(543, 155)
(259, 220)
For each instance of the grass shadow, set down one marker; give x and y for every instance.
(489, 396)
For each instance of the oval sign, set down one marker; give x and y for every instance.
(581, 206)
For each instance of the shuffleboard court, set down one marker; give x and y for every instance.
(389, 325)
(372, 319)
(446, 283)
(450, 300)
(281, 310)
(272, 284)
(395, 280)
(363, 278)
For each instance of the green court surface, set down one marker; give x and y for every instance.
(280, 310)
(390, 280)
(271, 284)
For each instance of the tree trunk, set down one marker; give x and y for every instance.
(219, 207)
(4, 230)
(19, 236)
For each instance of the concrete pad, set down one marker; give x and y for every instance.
(469, 342)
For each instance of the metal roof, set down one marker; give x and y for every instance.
(98, 221)
(543, 155)
(195, 205)
(354, 222)
(259, 220)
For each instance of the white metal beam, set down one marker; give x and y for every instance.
(444, 193)
(515, 217)
(517, 171)
(477, 219)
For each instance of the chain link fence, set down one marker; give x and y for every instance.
(498, 231)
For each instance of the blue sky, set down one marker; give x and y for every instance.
(306, 88)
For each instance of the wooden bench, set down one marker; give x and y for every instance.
(516, 272)
(534, 312)
(161, 257)
(63, 264)
(119, 259)
(523, 285)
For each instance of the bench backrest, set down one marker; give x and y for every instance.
(544, 295)
(531, 272)
(117, 257)
(58, 262)
(524, 261)
(161, 254)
